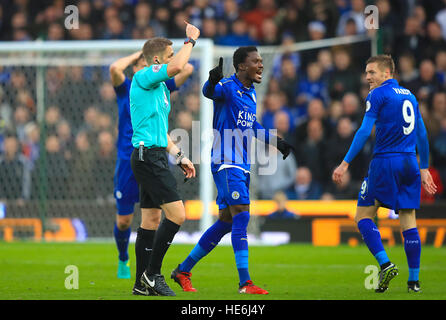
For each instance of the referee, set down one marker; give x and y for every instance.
(149, 110)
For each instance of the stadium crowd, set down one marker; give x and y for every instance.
(314, 98)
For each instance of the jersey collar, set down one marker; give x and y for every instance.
(389, 81)
(237, 81)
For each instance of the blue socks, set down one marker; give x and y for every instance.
(239, 240)
(207, 242)
(372, 239)
(412, 247)
(212, 237)
(122, 242)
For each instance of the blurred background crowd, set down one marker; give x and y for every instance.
(314, 98)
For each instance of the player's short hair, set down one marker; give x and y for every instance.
(141, 56)
(241, 54)
(153, 47)
(384, 61)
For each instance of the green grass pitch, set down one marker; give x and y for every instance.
(36, 271)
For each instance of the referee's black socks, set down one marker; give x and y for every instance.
(143, 251)
(163, 238)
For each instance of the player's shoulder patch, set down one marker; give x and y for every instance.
(224, 81)
(156, 67)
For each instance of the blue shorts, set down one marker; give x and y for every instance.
(232, 187)
(126, 190)
(394, 180)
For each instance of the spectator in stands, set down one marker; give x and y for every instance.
(274, 102)
(438, 149)
(311, 86)
(56, 32)
(231, 11)
(143, 19)
(316, 110)
(311, 151)
(238, 36)
(63, 132)
(338, 146)
(407, 71)
(14, 171)
(434, 40)
(411, 40)
(52, 118)
(21, 119)
(56, 170)
(427, 82)
(316, 31)
(104, 165)
(281, 212)
(82, 183)
(357, 14)
(293, 21)
(265, 9)
(31, 145)
(304, 187)
(325, 60)
(351, 108)
(288, 79)
(440, 67)
(209, 28)
(440, 18)
(282, 177)
(270, 33)
(344, 77)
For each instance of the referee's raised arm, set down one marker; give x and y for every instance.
(182, 57)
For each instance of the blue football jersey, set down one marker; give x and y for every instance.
(234, 123)
(125, 130)
(396, 112)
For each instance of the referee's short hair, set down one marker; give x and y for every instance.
(384, 61)
(153, 47)
(241, 54)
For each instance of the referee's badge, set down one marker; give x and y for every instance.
(235, 195)
(118, 194)
(156, 67)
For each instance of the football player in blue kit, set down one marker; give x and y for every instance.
(126, 190)
(394, 178)
(235, 104)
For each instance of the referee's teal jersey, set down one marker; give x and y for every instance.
(150, 106)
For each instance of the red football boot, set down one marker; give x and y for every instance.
(183, 279)
(249, 288)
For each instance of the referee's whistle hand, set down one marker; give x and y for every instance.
(192, 31)
(188, 168)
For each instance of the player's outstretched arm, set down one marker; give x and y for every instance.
(179, 60)
(184, 74)
(215, 75)
(423, 149)
(359, 140)
(263, 135)
(117, 68)
(427, 182)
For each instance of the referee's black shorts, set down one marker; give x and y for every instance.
(157, 185)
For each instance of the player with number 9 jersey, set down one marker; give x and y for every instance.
(393, 178)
